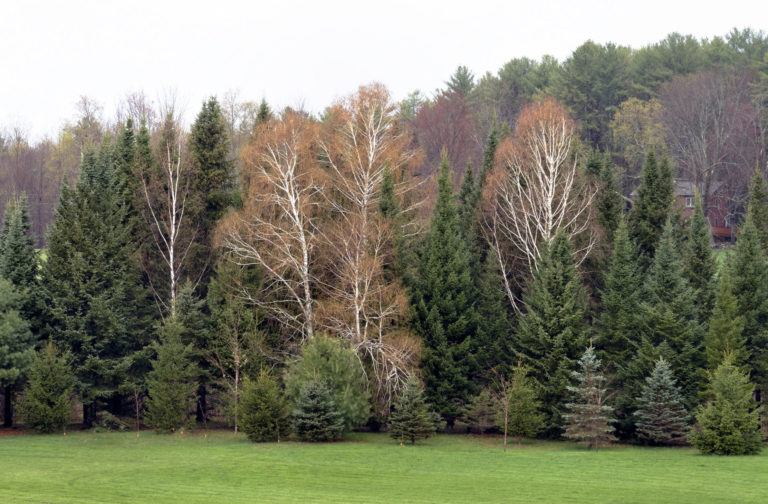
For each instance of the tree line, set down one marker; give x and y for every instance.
(177, 274)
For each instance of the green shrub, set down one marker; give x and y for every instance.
(411, 419)
(263, 410)
(47, 403)
(315, 414)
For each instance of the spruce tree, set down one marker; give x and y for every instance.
(18, 261)
(553, 328)
(47, 402)
(749, 271)
(411, 419)
(699, 261)
(661, 416)
(95, 303)
(590, 417)
(494, 345)
(263, 410)
(726, 327)
(652, 207)
(730, 423)
(315, 416)
(758, 207)
(443, 305)
(17, 345)
(524, 418)
(171, 383)
(609, 203)
(670, 315)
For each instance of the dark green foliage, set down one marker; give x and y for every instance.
(18, 258)
(96, 306)
(590, 418)
(462, 81)
(524, 418)
(171, 383)
(480, 413)
(17, 345)
(758, 208)
(493, 346)
(661, 416)
(670, 315)
(315, 416)
(411, 420)
(609, 202)
(553, 330)
(726, 327)
(328, 360)
(730, 423)
(47, 402)
(443, 305)
(263, 410)
(699, 262)
(651, 207)
(750, 286)
(619, 323)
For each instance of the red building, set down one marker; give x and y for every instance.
(716, 211)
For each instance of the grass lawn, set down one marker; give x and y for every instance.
(118, 467)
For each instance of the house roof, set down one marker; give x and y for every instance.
(686, 188)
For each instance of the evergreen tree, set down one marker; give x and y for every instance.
(553, 327)
(411, 419)
(443, 305)
(264, 113)
(315, 416)
(670, 315)
(263, 409)
(494, 346)
(619, 323)
(17, 346)
(524, 418)
(699, 261)
(726, 327)
(651, 207)
(758, 208)
(96, 306)
(609, 203)
(589, 418)
(750, 286)
(730, 423)
(489, 154)
(480, 413)
(170, 384)
(340, 370)
(18, 261)
(661, 416)
(47, 403)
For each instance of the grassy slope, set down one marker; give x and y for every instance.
(117, 467)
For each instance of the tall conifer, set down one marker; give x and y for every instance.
(651, 207)
(699, 261)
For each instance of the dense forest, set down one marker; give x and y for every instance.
(517, 239)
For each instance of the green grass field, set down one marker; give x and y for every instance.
(118, 467)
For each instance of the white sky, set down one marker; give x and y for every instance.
(311, 52)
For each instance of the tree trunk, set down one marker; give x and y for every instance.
(8, 407)
(89, 415)
(201, 412)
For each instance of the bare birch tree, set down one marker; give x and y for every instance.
(363, 141)
(536, 190)
(277, 228)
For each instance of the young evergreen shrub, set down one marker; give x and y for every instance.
(590, 418)
(47, 404)
(263, 411)
(411, 419)
(171, 386)
(339, 368)
(661, 416)
(730, 423)
(524, 417)
(315, 414)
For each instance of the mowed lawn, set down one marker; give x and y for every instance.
(223, 468)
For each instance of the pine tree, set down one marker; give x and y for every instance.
(18, 261)
(730, 423)
(480, 413)
(17, 345)
(726, 327)
(96, 306)
(651, 207)
(263, 409)
(411, 419)
(47, 403)
(609, 203)
(494, 345)
(553, 327)
(699, 261)
(670, 315)
(171, 383)
(619, 323)
(589, 419)
(315, 416)
(661, 416)
(443, 305)
(758, 207)
(523, 418)
(750, 286)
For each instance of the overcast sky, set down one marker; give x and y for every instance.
(302, 52)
